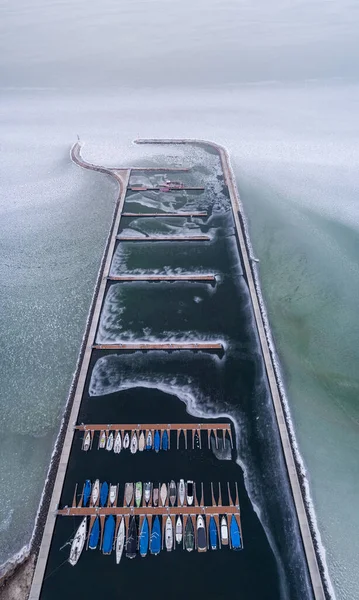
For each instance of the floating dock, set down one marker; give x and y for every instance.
(140, 188)
(164, 238)
(162, 278)
(160, 346)
(165, 214)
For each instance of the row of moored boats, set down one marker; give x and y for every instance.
(115, 441)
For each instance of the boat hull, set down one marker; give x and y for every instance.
(78, 542)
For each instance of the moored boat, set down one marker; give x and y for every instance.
(213, 534)
(120, 540)
(128, 493)
(173, 493)
(155, 540)
(87, 441)
(181, 492)
(189, 535)
(235, 534)
(179, 530)
(149, 440)
(117, 447)
(144, 537)
(94, 534)
(131, 542)
(201, 534)
(113, 494)
(108, 534)
(147, 491)
(138, 493)
(169, 534)
(163, 494)
(190, 492)
(87, 492)
(95, 492)
(165, 440)
(155, 496)
(197, 443)
(126, 441)
(224, 531)
(157, 441)
(102, 440)
(134, 443)
(141, 442)
(78, 542)
(109, 444)
(104, 493)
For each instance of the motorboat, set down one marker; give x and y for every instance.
(163, 494)
(235, 534)
(78, 542)
(173, 493)
(155, 540)
(94, 534)
(141, 442)
(138, 493)
(126, 441)
(149, 440)
(113, 494)
(144, 537)
(224, 531)
(131, 543)
(189, 535)
(169, 534)
(87, 441)
(147, 491)
(181, 492)
(201, 534)
(87, 492)
(117, 447)
(128, 493)
(108, 534)
(155, 496)
(102, 440)
(109, 444)
(157, 441)
(179, 530)
(134, 443)
(213, 534)
(104, 493)
(190, 492)
(165, 440)
(120, 540)
(95, 492)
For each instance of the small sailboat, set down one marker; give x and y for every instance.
(134, 443)
(155, 540)
(163, 494)
(104, 493)
(108, 534)
(78, 542)
(102, 440)
(120, 541)
(141, 442)
(128, 493)
(144, 537)
(179, 530)
(117, 447)
(109, 444)
(189, 493)
(131, 543)
(235, 534)
(165, 440)
(138, 493)
(189, 535)
(157, 441)
(201, 534)
(197, 443)
(147, 492)
(213, 534)
(181, 492)
(173, 493)
(113, 494)
(87, 492)
(126, 441)
(94, 534)
(149, 440)
(155, 496)
(87, 441)
(169, 534)
(224, 531)
(95, 492)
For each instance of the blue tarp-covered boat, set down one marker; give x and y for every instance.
(94, 534)
(155, 542)
(87, 492)
(104, 493)
(108, 534)
(144, 537)
(165, 440)
(157, 440)
(213, 535)
(235, 534)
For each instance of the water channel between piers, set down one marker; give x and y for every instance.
(94, 347)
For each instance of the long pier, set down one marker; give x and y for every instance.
(140, 188)
(191, 277)
(165, 214)
(160, 346)
(164, 238)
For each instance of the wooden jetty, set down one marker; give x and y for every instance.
(166, 214)
(163, 238)
(169, 188)
(160, 346)
(162, 278)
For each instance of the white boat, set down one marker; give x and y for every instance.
(109, 444)
(120, 541)
(169, 534)
(201, 534)
(224, 531)
(189, 493)
(95, 492)
(117, 447)
(141, 442)
(147, 491)
(128, 493)
(113, 494)
(102, 440)
(179, 530)
(87, 441)
(163, 494)
(149, 440)
(172, 492)
(181, 492)
(134, 443)
(155, 497)
(78, 542)
(126, 441)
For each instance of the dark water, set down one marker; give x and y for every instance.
(158, 387)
